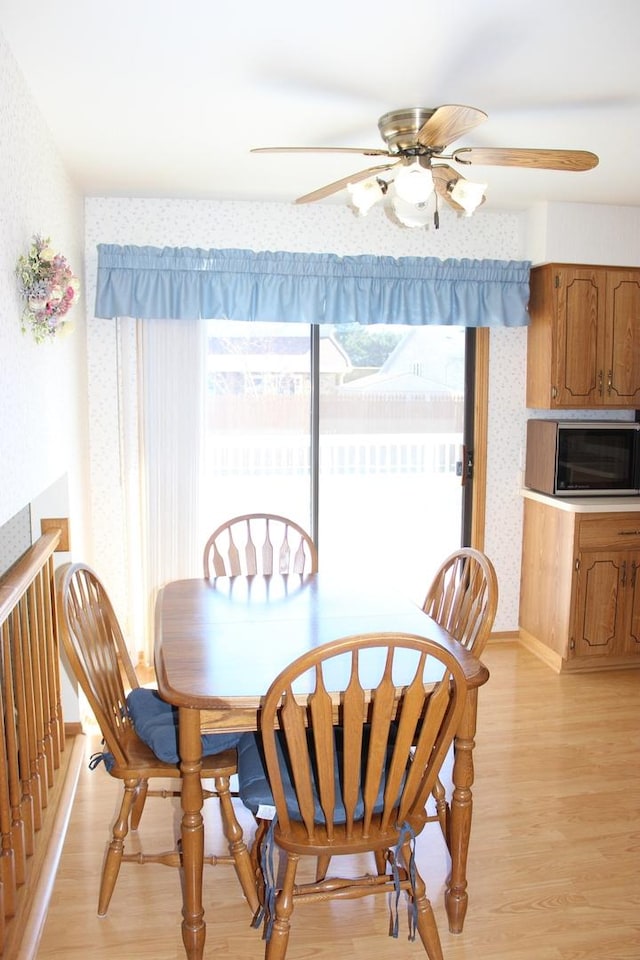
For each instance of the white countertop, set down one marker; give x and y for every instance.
(586, 504)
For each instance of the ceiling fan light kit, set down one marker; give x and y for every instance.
(467, 194)
(365, 194)
(416, 139)
(410, 214)
(413, 183)
(411, 190)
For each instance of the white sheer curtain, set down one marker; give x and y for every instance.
(162, 379)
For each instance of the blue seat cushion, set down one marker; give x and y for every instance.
(156, 723)
(254, 786)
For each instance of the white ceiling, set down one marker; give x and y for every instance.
(160, 98)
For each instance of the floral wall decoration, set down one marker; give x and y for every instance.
(48, 287)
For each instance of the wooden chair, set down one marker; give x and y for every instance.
(98, 656)
(259, 543)
(462, 598)
(350, 772)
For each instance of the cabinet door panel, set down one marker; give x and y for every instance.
(622, 339)
(599, 603)
(580, 307)
(633, 639)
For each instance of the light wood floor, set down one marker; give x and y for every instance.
(554, 870)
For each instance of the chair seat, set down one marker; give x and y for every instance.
(255, 791)
(146, 764)
(156, 724)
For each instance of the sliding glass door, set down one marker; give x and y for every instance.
(356, 432)
(390, 440)
(258, 421)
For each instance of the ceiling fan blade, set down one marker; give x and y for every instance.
(516, 157)
(330, 188)
(367, 151)
(448, 123)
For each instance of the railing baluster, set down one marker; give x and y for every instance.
(31, 721)
(53, 715)
(7, 855)
(46, 744)
(34, 689)
(29, 804)
(12, 752)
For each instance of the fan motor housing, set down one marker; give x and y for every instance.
(399, 128)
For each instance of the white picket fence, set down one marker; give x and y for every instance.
(363, 454)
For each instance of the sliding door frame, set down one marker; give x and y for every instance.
(473, 529)
(480, 433)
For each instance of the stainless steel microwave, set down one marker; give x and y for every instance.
(569, 458)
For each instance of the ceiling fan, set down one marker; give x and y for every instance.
(416, 139)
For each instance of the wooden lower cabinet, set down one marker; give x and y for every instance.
(606, 604)
(580, 587)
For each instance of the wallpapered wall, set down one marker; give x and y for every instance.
(321, 228)
(15, 538)
(40, 385)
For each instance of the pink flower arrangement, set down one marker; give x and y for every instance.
(48, 287)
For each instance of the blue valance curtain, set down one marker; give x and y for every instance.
(189, 283)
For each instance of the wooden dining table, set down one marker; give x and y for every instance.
(218, 645)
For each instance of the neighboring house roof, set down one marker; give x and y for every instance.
(230, 355)
(427, 360)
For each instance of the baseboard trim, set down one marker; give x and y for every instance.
(577, 664)
(73, 729)
(504, 636)
(541, 651)
(600, 664)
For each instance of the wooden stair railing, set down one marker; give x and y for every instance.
(32, 738)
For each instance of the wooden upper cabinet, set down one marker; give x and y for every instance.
(622, 338)
(583, 346)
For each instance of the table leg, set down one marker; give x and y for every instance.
(456, 897)
(192, 833)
